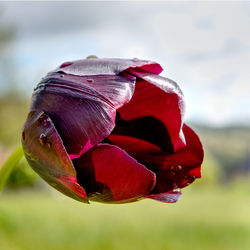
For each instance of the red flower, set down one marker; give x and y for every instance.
(111, 130)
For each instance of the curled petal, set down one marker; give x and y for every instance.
(109, 174)
(157, 97)
(44, 150)
(107, 66)
(190, 156)
(181, 168)
(175, 170)
(147, 128)
(82, 97)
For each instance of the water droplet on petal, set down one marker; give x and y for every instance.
(43, 139)
(172, 173)
(23, 135)
(65, 64)
(43, 120)
(41, 86)
(90, 80)
(179, 167)
(91, 57)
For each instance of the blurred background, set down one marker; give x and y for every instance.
(205, 48)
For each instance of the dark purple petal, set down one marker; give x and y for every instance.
(44, 150)
(109, 174)
(115, 66)
(81, 97)
(83, 108)
(157, 97)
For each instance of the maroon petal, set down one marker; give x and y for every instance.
(157, 97)
(82, 115)
(191, 156)
(181, 168)
(146, 128)
(135, 147)
(168, 197)
(107, 66)
(45, 152)
(109, 174)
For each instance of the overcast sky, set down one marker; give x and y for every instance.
(204, 47)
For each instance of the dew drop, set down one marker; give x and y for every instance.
(43, 139)
(91, 57)
(179, 167)
(41, 87)
(90, 80)
(23, 135)
(172, 173)
(43, 120)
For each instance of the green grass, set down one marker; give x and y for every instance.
(201, 220)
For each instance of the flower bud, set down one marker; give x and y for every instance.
(111, 130)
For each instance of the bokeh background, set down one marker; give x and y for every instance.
(205, 47)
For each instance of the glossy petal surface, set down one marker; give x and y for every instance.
(44, 150)
(167, 197)
(157, 97)
(111, 130)
(83, 115)
(107, 66)
(181, 168)
(109, 174)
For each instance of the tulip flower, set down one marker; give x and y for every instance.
(111, 130)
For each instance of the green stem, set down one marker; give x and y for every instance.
(9, 165)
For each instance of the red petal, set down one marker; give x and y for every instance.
(168, 197)
(134, 146)
(160, 98)
(45, 152)
(139, 149)
(190, 156)
(146, 128)
(113, 175)
(196, 172)
(181, 168)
